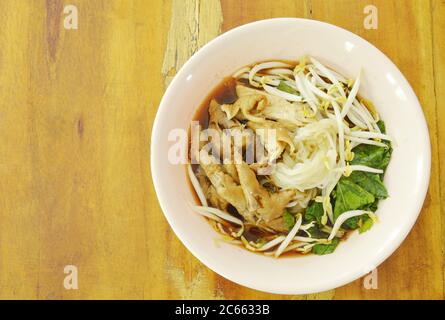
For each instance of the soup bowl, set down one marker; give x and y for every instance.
(406, 178)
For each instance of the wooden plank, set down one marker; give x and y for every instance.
(77, 108)
(415, 271)
(192, 24)
(19, 241)
(235, 14)
(438, 58)
(188, 277)
(76, 112)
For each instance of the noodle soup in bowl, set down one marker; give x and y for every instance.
(288, 39)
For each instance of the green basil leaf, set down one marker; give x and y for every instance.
(288, 220)
(314, 212)
(367, 223)
(371, 156)
(316, 233)
(350, 196)
(322, 249)
(371, 182)
(381, 126)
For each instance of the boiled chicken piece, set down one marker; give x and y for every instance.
(247, 106)
(219, 118)
(230, 168)
(289, 114)
(273, 147)
(210, 192)
(225, 185)
(267, 206)
(276, 224)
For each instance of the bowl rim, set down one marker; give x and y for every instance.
(341, 280)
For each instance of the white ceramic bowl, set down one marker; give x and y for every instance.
(407, 176)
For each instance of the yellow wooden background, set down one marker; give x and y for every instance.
(76, 110)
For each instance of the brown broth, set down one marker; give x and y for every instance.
(225, 93)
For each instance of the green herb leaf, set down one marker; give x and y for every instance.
(371, 207)
(381, 126)
(286, 88)
(322, 249)
(371, 156)
(367, 223)
(314, 212)
(371, 182)
(350, 196)
(316, 233)
(362, 190)
(288, 220)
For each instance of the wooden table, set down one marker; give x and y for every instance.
(76, 110)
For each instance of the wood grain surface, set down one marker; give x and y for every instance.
(76, 110)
